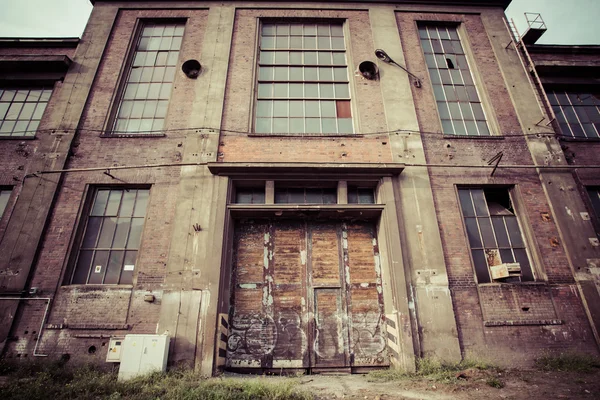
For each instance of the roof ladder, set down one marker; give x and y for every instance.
(536, 28)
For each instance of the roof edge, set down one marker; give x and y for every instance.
(39, 42)
(486, 3)
(564, 48)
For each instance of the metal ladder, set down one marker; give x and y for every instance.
(529, 66)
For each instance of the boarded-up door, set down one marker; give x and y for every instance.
(306, 295)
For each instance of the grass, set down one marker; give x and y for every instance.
(494, 382)
(567, 362)
(432, 370)
(48, 381)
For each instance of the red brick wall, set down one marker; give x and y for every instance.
(85, 307)
(475, 304)
(239, 96)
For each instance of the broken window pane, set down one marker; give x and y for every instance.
(449, 62)
(494, 236)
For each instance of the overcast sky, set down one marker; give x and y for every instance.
(568, 21)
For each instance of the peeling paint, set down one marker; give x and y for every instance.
(303, 257)
(570, 213)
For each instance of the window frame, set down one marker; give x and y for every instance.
(3, 209)
(480, 89)
(27, 134)
(124, 74)
(83, 217)
(354, 118)
(528, 240)
(552, 93)
(594, 210)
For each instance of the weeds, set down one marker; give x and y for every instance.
(433, 370)
(44, 381)
(567, 362)
(494, 382)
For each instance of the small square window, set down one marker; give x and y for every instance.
(357, 195)
(250, 195)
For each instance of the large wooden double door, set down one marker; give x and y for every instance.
(306, 295)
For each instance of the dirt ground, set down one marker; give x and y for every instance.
(518, 384)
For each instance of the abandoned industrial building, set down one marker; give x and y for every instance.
(267, 186)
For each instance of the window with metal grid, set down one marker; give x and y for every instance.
(303, 85)
(4, 197)
(457, 100)
(305, 196)
(21, 110)
(594, 193)
(358, 195)
(493, 232)
(145, 98)
(111, 240)
(578, 114)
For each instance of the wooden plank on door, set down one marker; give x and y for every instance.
(329, 330)
(365, 297)
(289, 295)
(250, 335)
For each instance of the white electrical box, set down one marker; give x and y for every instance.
(142, 354)
(114, 349)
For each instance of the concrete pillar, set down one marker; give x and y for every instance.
(423, 255)
(190, 302)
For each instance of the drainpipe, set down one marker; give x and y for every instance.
(48, 299)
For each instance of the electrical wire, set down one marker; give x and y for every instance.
(161, 132)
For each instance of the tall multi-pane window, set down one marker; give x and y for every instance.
(578, 114)
(493, 232)
(145, 98)
(21, 110)
(457, 100)
(111, 240)
(303, 85)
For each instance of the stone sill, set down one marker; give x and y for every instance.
(91, 326)
(523, 322)
(132, 136)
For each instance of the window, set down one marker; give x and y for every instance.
(357, 195)
(494, 234)
(111, 240)
(594, 193)
(21, 110)
(458, 104)
(578, 114)
(4, 196)
(306, 196)
(146, 94)
(250, 195)
(303, 82)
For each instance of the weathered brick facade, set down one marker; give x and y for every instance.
(428, 291)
